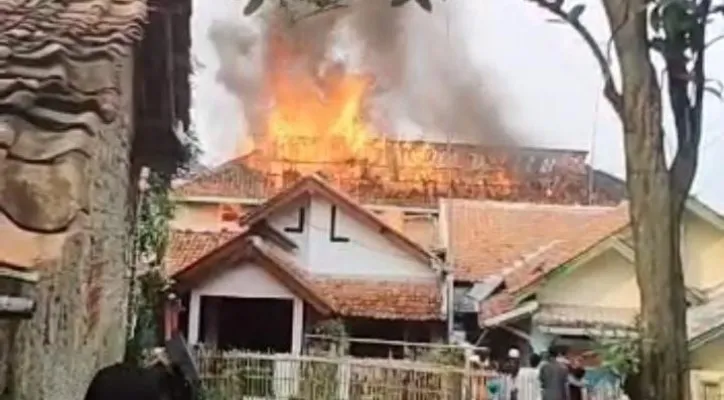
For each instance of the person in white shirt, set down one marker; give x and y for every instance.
(527, 382)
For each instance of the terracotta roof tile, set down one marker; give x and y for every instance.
(186, 247)
(349, 297)
(382, 299)
(231, 179)
(494, 238)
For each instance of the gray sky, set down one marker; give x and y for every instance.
(549, 84)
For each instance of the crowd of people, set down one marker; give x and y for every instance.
(550, 376)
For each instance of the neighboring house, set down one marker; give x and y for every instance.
(567, 273)
(306, 255)
(90, 92)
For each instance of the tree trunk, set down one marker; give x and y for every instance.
(655, 219)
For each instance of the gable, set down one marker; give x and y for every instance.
(606, 280)
(336, 235)
(333, 240)
(248, 278)
(341, 244)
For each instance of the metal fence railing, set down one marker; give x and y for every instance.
(237, 375)
(252, 376)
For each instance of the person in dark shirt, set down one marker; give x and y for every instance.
(576, 373)
(553, 377)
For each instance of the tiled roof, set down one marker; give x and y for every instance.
(373, 298)
(186, 247)
(383, 299)
(490, 238)
(575, 234)
(231, 179)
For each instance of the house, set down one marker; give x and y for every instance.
(210, 205)
(306, 255)
(91, 92)
(567, 274)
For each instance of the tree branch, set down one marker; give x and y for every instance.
(612, 94)
(687, 111)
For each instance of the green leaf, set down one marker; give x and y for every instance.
(576, 12)
(399, 3)
(425, 4)
(252, 6)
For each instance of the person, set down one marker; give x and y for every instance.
(527, 382)
(576, 384)
(509, 373)
(554, 377)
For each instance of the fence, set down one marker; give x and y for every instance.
(251, 376)
(237, 375)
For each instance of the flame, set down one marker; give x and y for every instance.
(317, 121)
(327, 112)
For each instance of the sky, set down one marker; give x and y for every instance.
(548, 84)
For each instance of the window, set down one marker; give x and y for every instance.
(711, 390)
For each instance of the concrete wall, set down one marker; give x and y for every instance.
(703, 252)
(79, 324)
(367, 253)
(246, 280)
(608, 280)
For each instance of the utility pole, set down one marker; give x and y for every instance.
(449, 263)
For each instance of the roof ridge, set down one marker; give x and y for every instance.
(530, 205)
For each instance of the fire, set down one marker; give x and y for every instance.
(327, 112)
(317, 120)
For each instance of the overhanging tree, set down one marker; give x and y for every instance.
(675, 29)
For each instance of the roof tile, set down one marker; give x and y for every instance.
(383, 299)
(500, 238)
(185, 247)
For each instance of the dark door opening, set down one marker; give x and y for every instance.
(259, 325)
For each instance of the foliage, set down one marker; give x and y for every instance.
(620, 356)
(329, 328)
(450, 356)
(150, 240)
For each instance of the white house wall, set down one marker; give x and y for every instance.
(288, 217)
(367, 253)
(247, 280)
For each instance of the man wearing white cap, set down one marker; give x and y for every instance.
(509, 374)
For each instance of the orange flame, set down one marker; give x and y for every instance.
(317, 122)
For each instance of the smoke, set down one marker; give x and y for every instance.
(424, 76)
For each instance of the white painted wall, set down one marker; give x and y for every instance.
(368, 252)
(288, 217)
(246, 280)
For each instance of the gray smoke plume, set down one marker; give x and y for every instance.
(423, 72)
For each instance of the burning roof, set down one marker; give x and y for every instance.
(407, 173)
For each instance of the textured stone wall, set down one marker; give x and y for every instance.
(79, 324)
